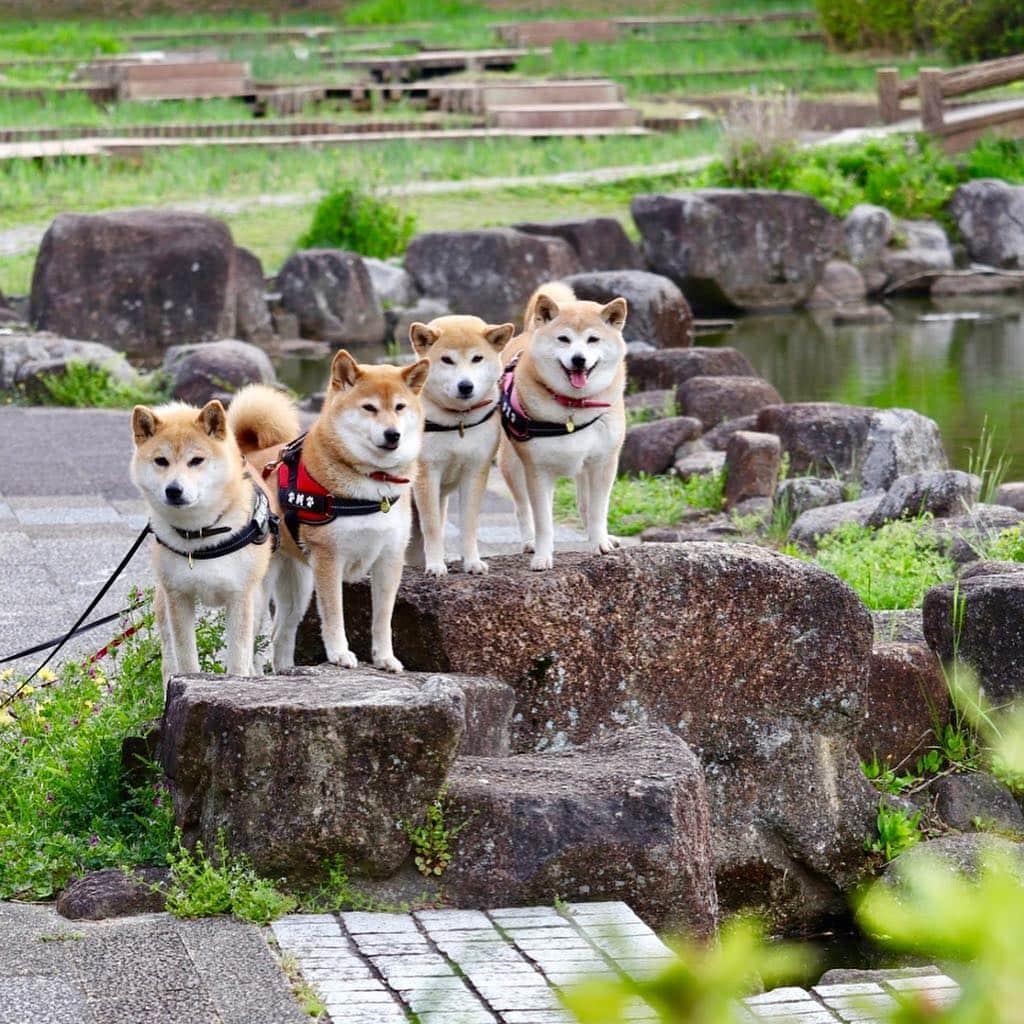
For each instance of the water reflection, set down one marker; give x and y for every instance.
(958, 361)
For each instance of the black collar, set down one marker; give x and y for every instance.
(518, 426)
(262, 526)
(462, 426)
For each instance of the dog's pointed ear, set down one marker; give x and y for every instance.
(499, 335)
(545, 309)
(213, 419)
(344, 371)
(422, 336)
(144, 423)
(415, 376)
(615, 313)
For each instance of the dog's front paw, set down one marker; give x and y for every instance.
(436, 569)
(475, 568)
(604, 545)
(527, 547)
(541, 562)
(343, 659)
(388, 662)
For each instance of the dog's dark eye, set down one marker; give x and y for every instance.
(196, 460)
(593, 339)
(447, 360)
(370, 408)
(565, 339)
(399, 406)
(161, 461)
(478, 359)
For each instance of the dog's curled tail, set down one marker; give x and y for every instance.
(556, 290)
(261, 417)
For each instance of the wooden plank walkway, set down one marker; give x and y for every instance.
(54, 149)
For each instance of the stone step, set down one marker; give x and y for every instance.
(564, 115)
(571, 91)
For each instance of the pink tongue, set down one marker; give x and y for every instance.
(578, 379)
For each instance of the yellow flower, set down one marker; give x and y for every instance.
(5, 717)
(47, 675)
(28, 691)
(6, 674)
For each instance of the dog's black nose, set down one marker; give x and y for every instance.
(173, 493)
(465, 388)
(579, 362)
(392, 437)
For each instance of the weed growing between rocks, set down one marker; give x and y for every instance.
(85, 386)
(639, 502)
(983, 462)
(891, 567)
(431, 840)
(898, 830)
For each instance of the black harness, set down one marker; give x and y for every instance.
(429, 426)
(263, 526)
(518, 426)
(306, 502)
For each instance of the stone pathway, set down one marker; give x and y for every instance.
(468, 966)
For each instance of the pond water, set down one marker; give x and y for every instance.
(960, 361)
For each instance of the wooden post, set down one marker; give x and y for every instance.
(888, 82)
(929, 91)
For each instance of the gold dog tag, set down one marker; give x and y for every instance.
(385, 505)
(570, 426)
(190, 565)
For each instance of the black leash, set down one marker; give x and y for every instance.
(77, 627)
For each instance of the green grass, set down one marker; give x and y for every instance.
(891, 567)
(84, 386)
(645, 501)
(66, 804)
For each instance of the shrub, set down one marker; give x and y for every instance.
(397, 12)
(86, 386)
(971, 30)
(359, 221)
(759, 138)
(868, 24)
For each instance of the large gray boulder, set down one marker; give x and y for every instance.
(752, 463)
(668, 368)
(298, 771)
(736, 248)
(940, 493)
(924, 249)
(490, 273)
(799, 494)
(989, 215)
(216, 369)
(624, 817)
(330, 291)
(136, 280)
(658, 312)
(956, 855)
(869, 446)
(252, 314)
(600, 243)
(867, 231)
(651, 447)
(977, 619)
(649, 634)
(975, 802)
(391, 283)
(713, 400)
(818, 521)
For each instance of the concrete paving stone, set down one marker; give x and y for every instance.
(308, 927)
(615, 930)
(459, 1017)
(428, 965)
(384, 948)
(335, 988)
(538, 1017)
(328, 945)
(362, 922)
(514, 914)
(449, 920)
(925, 983)
(788, 994)
(880, 1002)
(161, 1006)
(112, 961)
(345, 1012)
(379, 996)
(526, 933)
(521, 999)
(42, 999)
(605, 911)
(237, 967)
(853, 988)
(76, 516)
(818, 1016)
(18, 549)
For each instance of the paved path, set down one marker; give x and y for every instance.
(69, 513)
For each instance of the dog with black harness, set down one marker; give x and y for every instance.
(343, 493)
(212, 519)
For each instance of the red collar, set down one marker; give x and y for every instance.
(472, 408)
(387, 478)
(576, 403)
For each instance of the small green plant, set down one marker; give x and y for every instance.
(636, 414)
(201, 886)
(431, 840)
(891, 567)
(897, 831)
(85, 385)
(358, 220)
(885, 778)
(985, 464)
(309, 999)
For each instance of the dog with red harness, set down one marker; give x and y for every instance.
(343, 494)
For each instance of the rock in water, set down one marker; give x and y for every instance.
(989, 216)
(136, 280)
(622, 818)
(735, 248)
(296, 771)
(758, 661)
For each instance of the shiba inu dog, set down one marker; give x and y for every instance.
(460, 400)
(211, 517)
(342, 492)
(563, 414)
